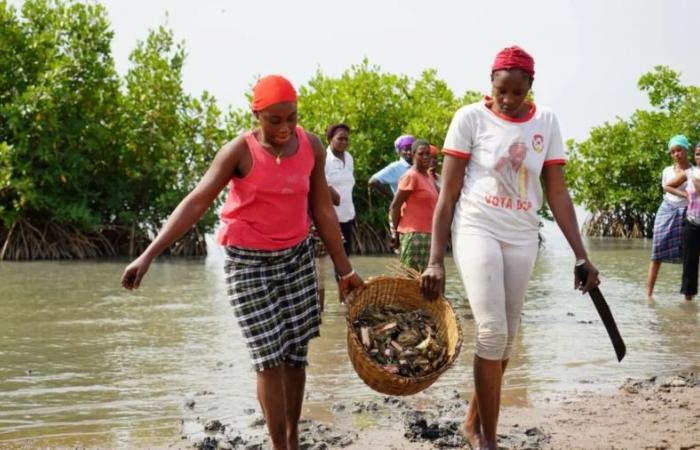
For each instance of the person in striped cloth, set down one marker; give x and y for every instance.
(690, 246)
(668, 223)
(276, 176)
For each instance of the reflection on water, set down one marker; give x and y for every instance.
(83, 362)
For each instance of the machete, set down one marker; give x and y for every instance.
(603, 311)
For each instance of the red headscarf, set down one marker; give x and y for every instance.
(514, 58)
(272, 89)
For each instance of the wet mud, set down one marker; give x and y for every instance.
(661, 412)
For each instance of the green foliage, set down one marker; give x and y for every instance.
(663, 86)
(616, 172)
(82, 149)
(169, 137)
(104, 159)
(59, 91)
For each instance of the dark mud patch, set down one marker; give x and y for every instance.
(441, 432)
(312, 436)
(533, 438)
(662, 383)
(426, 426)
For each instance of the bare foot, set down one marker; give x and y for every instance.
(689, 298)
(473, 435)
(485, 445)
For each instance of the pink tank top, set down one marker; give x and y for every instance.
(268, 208)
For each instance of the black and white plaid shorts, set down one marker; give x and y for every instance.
(274, 295)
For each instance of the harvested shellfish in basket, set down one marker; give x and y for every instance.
(401, 341)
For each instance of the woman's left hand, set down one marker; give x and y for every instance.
(352, 284)
(395, 241)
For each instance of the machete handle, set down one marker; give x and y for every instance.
(580, 270)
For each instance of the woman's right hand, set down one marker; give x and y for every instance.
(350, 284)
(432, 281)
(134, 272)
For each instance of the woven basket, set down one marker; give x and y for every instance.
(404, 292)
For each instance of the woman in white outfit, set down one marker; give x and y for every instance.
(491, 206)
(340, 169)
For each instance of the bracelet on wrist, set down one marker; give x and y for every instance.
(348, 275)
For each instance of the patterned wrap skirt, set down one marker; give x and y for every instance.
(415, 250)
(668, 229)
(274, 295)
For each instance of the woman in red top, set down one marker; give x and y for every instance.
(433, 171)
(277, 175)
(412, 209)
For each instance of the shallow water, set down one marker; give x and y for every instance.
(85, 363)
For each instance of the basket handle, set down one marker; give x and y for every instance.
(397, 269)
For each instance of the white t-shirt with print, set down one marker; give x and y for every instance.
(502, 193)
(340, 176)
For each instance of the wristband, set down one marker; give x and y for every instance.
(348, 275)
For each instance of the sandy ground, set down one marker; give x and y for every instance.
(657, 413)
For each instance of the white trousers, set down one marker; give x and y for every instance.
(495, 276)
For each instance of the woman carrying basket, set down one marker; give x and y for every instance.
(276, 175)
(496, 152)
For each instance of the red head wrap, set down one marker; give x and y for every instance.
(514, 58)
(271, 90)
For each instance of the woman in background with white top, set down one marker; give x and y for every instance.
(340, 177)
(668, 225)
(691, 227)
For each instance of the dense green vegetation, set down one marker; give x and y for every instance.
(92, 163)
(616, 172)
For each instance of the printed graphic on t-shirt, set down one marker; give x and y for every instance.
(538, 143)
(502, 192)
(510, 171)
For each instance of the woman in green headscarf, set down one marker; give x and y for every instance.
(668, 225)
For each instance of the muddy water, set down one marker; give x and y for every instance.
(84, 363)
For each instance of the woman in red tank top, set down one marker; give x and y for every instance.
(276, 173)
(411, 211)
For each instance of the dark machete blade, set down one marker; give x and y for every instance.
(604, 312)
